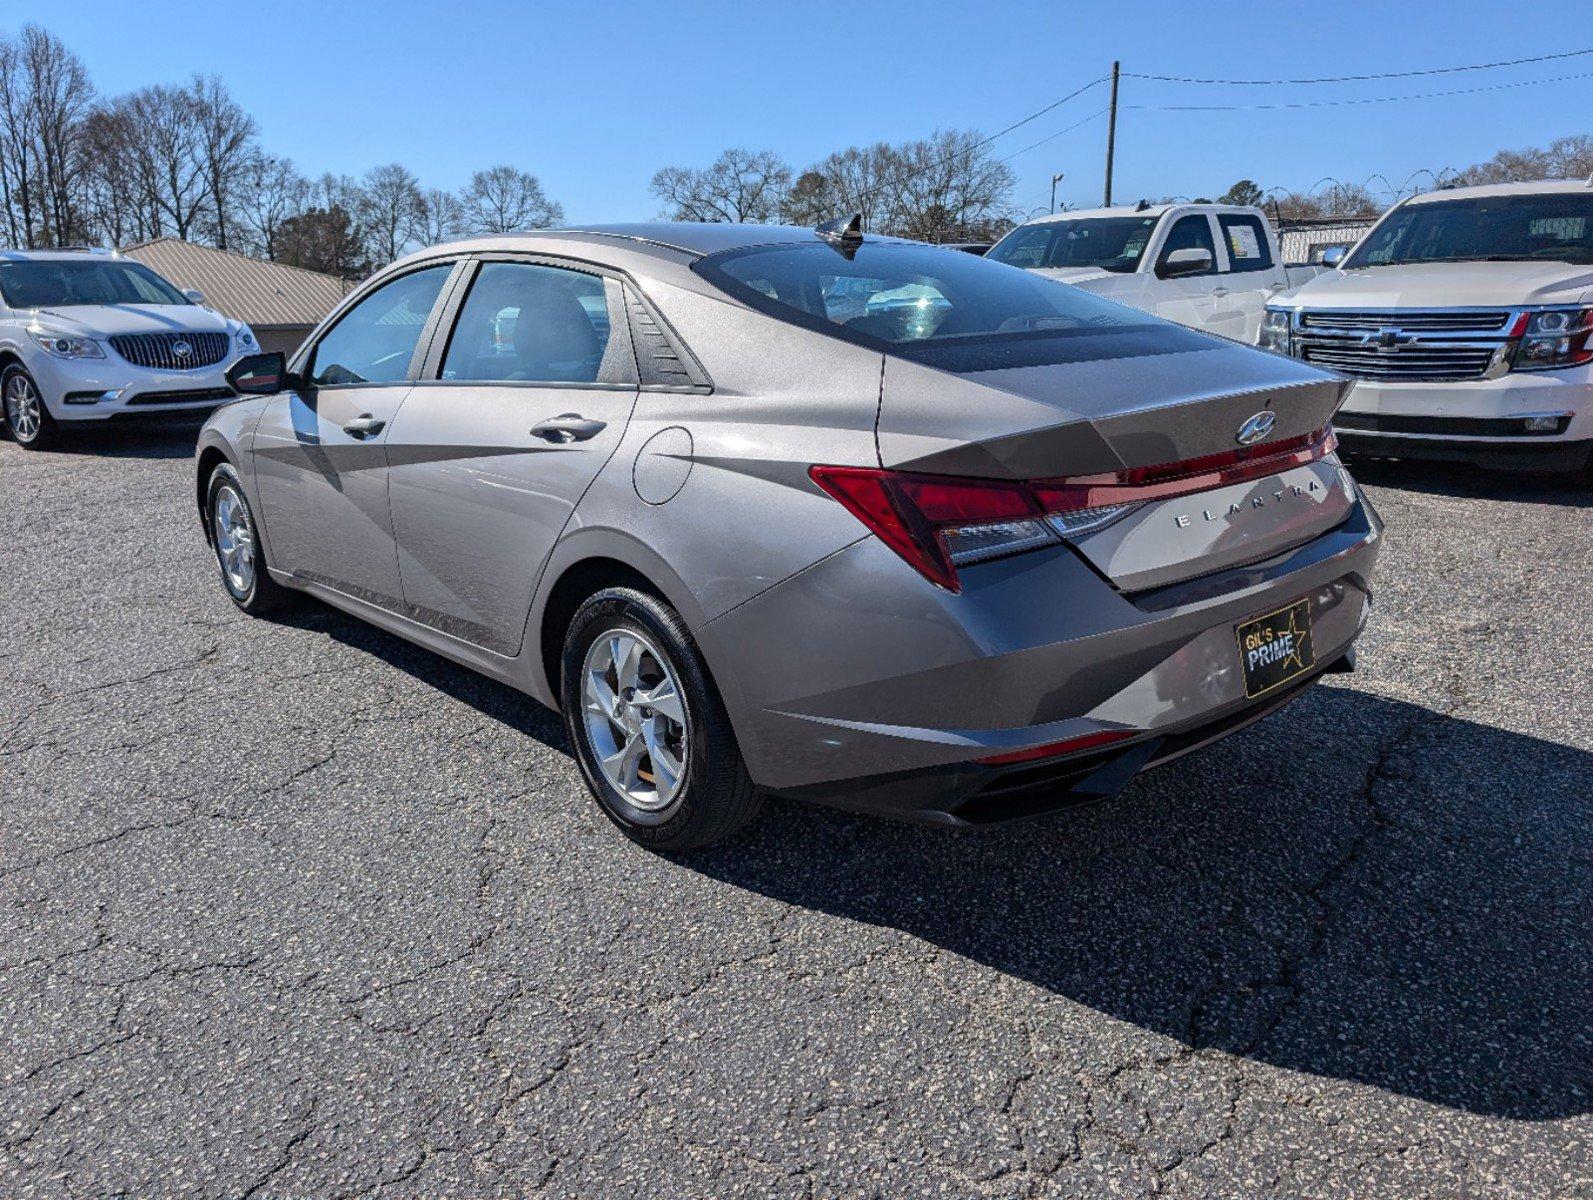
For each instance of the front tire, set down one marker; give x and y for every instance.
(26, 416)
(234, 537)
(649, 730)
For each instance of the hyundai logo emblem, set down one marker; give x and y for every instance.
(1255, 428)
(181, 349)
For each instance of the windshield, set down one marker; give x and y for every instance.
(60, 283)
(1113, 243)
(1552, 227)
(932, 305)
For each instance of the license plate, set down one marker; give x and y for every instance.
(1276, 648)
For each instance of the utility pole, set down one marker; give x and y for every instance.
(1054, 180)
(1111, 136)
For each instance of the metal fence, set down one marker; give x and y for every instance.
(1305, 241)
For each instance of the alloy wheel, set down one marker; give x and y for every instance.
(635, 719)
(234, 539)
(23, 408)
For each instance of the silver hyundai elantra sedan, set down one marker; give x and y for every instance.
(776, 510)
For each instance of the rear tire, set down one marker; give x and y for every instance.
(648, 727)
(234, 535)
(27, 418)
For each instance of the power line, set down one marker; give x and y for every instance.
(1035, 145)
(1497, 87)
(1037, 115)
(1513, 62)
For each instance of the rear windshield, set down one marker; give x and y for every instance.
(58, 283)
(926, 303)
(1111, 243)
(1552, 227)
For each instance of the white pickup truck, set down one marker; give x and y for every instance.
(1466, 319)
(1210, 266)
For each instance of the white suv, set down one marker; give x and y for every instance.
(88, 337)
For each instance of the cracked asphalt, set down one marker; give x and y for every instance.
(295, 909)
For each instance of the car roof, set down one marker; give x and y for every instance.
(76, 255)
(1536, 187)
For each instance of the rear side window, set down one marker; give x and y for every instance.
(1247, 242)
(529, 323)
(932, 305)
(1190, 233)
(374, 341)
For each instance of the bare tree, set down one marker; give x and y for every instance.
(272, 192)
(389, 202)
(224, 143)
(1563, 158)
(440, 218)
(950, 187)
(502, 199)
(857, 179)
(16, 146)
(166, 147)
(741, 185)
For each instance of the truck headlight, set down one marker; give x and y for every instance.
(63, 345)
(1553, 338)
(1275, 331)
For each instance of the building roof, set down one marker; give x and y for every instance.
(264, 295)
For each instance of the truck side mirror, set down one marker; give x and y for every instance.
(1333, 256)
(1192, 260)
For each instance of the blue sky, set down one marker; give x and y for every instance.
(594, 97)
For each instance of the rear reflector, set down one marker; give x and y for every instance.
(940, 522)
(1089, 741)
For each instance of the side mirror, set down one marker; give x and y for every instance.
(1333, 256)
(195, 295)
(259, 374)
(1190, 261)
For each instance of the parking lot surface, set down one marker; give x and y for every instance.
(295, 909)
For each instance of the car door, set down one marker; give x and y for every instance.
(1187, 299)
(1248, 277)
(320, 452)
(517, 410)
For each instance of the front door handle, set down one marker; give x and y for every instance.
(364, 425)
(1221, 291)
(568, 427)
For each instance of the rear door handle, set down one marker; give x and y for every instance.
(364, 425)
(568, 427)
(1219, 291)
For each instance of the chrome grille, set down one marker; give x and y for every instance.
(1410, 360)
(1439, 321)
(159, 350)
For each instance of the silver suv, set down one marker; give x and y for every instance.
(765, 509)
(87, 338)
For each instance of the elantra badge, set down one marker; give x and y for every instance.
(1255, 428)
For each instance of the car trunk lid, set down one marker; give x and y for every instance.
(1153, 406)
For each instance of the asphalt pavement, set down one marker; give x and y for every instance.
(293, 908)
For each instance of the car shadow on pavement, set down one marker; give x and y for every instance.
(166, 440)
(1357, 887)
(1472, 483)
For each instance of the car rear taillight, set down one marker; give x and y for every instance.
(938, 523)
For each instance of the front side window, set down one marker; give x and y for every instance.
(1549, 227)
(57, 283)
(1111, 243)
(1247, 242)
(1190, 233)
(931, 305)
(374, 341)
(529, 323)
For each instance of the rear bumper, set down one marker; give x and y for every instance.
(858, 684)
